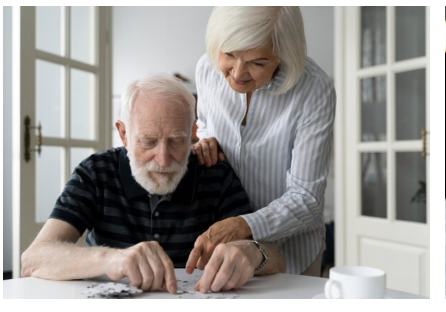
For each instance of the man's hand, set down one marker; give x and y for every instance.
(146, 265)
(230, 266)
(208, 151)
(228, 230)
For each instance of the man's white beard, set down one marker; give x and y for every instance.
(161, 185)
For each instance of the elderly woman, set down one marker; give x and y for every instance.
(268, 109)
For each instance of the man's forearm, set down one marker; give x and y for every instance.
(276, 263)
(63, 261)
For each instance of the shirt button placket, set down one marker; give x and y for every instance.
(156, 215)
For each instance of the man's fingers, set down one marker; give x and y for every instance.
(226, 277)
(163, 270)
(157, 267)
(134, 276)
(209, 274)
(146, 274)
(197, 286)
(170, 281)
(244, 277)
(231, 282)
(148, 267)
(229, 269)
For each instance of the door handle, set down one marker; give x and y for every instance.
(424, 152)
(28, 149)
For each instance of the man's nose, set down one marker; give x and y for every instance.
(163, 156)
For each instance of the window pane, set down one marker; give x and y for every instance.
(374, 184)
(49, 180)
(410, 104)
(410, 187)
(82, 104)
(49, 29)
(77, 154)
(83, 34)
(410, 38)
(50, 98)
(373, 36)
(373, 109)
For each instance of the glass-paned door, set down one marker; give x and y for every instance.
(64, 92)
(387, 159)
(392, 79)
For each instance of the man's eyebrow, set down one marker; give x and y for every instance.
(146, 137)
(143, 137)
(178, 135)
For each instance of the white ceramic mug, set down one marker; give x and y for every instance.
(355, 282)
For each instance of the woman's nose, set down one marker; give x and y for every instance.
(239, 70)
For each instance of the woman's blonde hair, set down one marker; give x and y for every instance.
(233, 29)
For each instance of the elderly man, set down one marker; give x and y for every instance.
(146, 203)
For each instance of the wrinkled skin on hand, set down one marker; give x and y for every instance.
(230, 267)
(228, 230)
(208, 151)
(146, 265)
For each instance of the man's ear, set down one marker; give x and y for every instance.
(122, 132)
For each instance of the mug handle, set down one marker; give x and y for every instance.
(329, 285)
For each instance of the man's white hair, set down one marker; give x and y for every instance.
(157, 87)
(241, 28)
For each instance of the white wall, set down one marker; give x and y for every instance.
(319, 31)
(171, 39)
(150, 40)
(7, 139)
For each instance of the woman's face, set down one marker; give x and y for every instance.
(247, 71)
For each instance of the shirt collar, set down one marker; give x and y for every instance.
(185, 191)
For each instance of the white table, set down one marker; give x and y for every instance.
(278, 286)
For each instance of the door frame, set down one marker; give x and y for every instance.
(339, 135)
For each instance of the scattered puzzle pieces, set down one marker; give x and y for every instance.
(185, 290)
(110, 291)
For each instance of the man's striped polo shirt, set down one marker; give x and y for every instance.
(103, 197)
